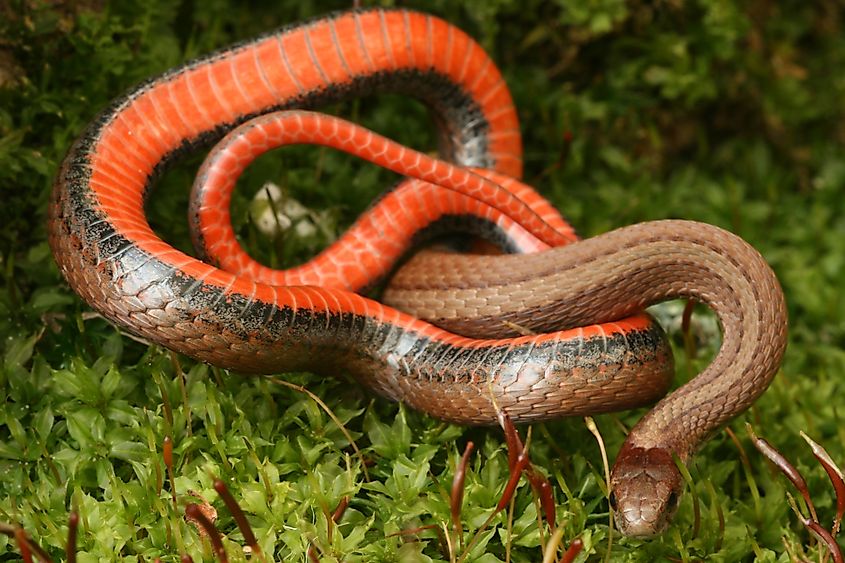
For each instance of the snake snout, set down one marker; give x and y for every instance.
(646, 488)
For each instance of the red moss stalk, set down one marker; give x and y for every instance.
(167, 454)
(72, 527)
(195, 513)
(457, 495)
(572, 552)
(238, 514)
(510, 488)
(23, 545)
(785, 467)
(836, 478)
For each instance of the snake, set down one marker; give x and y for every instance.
(599, 352)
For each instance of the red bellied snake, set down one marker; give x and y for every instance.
(309, 318)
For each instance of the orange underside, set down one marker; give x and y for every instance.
(283, 67)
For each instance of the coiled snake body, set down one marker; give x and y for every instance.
(110, 256)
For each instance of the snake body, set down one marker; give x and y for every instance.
(111, 257)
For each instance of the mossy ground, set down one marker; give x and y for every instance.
(725, 112)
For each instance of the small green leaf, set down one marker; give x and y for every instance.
(51, 300)
(17, 431)
(129, 451)
(86, 426)
(388, 441)
(19, 351)
(10, 451)
(43, 422)
(110, 382)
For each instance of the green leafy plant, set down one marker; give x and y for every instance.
(724, 112)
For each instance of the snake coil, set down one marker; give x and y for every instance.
(110, 256)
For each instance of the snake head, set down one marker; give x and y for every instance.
(645, 490)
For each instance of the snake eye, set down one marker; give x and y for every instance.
(612, 500)
(672, 501)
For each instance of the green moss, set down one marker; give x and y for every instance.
(724, 112)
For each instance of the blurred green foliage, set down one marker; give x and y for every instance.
(727, 112)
